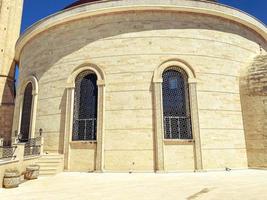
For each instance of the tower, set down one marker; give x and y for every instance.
(10, 21)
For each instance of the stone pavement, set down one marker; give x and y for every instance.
(233, 185)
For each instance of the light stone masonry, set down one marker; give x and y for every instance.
(127, 48)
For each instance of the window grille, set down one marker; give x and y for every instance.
(176, 111)
(26, 113)
(85, 107)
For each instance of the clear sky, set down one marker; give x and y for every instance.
(35, 10)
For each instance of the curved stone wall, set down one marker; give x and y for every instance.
(128, 46)
(253, 90)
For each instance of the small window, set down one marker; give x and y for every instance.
(85, 107)
(176, 110)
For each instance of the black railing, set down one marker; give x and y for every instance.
(84, 129)
(7, 152)
(32, 147)
(177, 127)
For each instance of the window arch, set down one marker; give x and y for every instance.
(85, 106)
(176, 106)
(25, 125)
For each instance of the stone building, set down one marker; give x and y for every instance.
(145, 85)
(10, 19)
(253, 90)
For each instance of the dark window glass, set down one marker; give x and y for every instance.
(85, 107)
(26, 113)
(176, 111)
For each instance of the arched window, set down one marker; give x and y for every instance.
(26, 113)
(176, 108)
(85, 107)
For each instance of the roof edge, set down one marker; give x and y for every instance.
(105, 7)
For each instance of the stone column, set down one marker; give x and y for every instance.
(195, 124)
(42, 146)
(33, 114)
(19, 151)
(68, 126)
(100, 127)
(19, 112)
(159, 129)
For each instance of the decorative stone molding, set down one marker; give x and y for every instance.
(158, 108)
(33, 80)
(100, 113)
(87, 66)
(92, 9)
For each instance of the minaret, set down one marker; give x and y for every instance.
(10, 22)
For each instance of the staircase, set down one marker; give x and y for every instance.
(50, 164)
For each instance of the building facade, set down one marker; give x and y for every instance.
(10, 19)
(144, 85)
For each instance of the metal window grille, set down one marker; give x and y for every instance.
(176, 110)
(85, 107)
(26, 113)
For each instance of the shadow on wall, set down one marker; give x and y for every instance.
(253, 91)
(58, 45)
(7, 105)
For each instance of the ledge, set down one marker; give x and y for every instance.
(178, 142)
(5, 162)
(83, 144)
(105, 7)
(31, 157)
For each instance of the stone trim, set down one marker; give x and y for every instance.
(35, 88)
(158, 116)
(100, 113)
(86, 66)
(105, 7)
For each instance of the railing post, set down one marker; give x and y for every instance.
(1, 142)
(19, 151)
(42, 146)
(15, 140)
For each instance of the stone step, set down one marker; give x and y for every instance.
(47, 173)
(51, 157)
(50, 164)
(45, 169)
(50, 161)
(44, 164)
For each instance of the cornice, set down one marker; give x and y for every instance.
(113, 6)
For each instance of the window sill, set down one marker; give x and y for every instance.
(178, 142)
(84, 142)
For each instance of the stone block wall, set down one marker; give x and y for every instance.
(128, 46)
(253, 87)
(10, 20)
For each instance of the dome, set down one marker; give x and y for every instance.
(118, 82)
(80, 2)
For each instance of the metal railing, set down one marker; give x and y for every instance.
(177, 127)
(7, 152)
(84, 129)
(33, 147)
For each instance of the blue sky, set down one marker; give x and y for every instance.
(35, 10)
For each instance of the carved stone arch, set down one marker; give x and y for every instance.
(158, 109)
(157, 77)
(35, 89)
(34, 81)
(87, 66)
